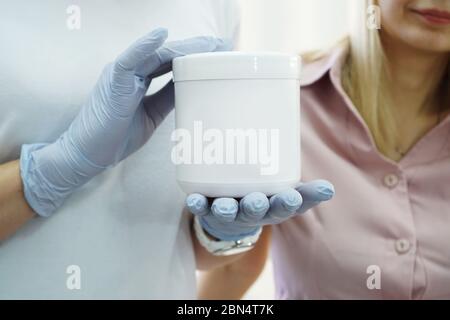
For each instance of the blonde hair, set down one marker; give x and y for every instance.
(364, 77)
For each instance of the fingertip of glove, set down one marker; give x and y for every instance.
(318, 190)
(291, 200)
(159, 33)
(325, 189)
(225, 209)
(255, 204)
(196, 203)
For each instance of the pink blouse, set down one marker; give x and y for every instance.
(386, 233)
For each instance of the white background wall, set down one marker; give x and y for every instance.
(289, 26)
(292, 25)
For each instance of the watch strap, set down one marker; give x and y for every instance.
(222, 247)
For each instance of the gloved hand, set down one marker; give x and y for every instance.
(227, 219)
(116, 120)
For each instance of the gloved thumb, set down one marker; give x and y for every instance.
(315, 192)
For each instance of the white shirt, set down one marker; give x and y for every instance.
(124, 230)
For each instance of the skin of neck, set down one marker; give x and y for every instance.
(414, 75)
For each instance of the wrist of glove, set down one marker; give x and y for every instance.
(230, 220)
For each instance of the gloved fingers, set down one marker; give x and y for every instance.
(225, 209)
(173, 49)
(253, 207)
(315, 192)
(141, 50)
(197, 204)
(284, 205)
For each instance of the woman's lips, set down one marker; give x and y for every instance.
(434, 16)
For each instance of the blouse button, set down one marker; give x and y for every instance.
(391, 180)
(402, 246)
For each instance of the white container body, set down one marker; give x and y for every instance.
(237, 136)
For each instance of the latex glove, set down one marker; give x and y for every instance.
(116, 120)
(227, 219)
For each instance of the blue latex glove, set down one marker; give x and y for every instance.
(116, 120)
(227, 219)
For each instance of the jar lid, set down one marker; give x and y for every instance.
(236, 65)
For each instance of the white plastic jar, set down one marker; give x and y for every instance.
(237, 123)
